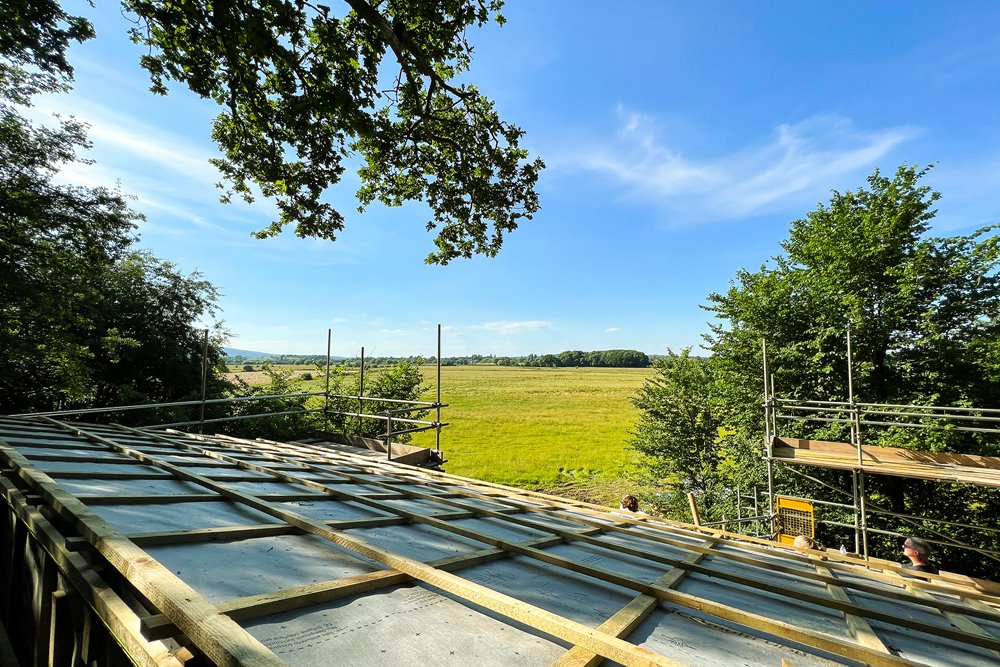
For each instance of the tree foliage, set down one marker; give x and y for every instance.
(923, 312)
(400, 381)
(304, 86)
(84, 319)
(677, 429)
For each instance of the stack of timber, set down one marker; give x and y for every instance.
(124, 546)
(939, 466)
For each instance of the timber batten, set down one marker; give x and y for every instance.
(258, 552)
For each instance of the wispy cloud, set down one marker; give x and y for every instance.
(165, 171)
(506, 327)
(116, 131)
(798, 159)
(612, 329)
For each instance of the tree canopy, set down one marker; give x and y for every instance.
(85, 319)
(923, 312)
(308, 90)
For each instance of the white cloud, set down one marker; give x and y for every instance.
(612, 329)
(799, 159)
(164, 170)
(505, 327)
(122, 133)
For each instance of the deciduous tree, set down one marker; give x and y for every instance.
(923, 312)
(84, 319)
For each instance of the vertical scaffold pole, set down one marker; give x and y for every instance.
(855, 422)
(204, 383)
(388, 435)
(860, 522)
(361, 392)
(326, 395)
(857, 511)
(864, 520)
(768, 439)
(437, 418)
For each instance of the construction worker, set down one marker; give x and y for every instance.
(919, 553)
(629, 503)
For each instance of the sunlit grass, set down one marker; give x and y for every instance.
(535, 427)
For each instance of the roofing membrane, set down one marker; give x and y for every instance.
(232, 551)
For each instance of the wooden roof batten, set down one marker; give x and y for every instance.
(707, 552)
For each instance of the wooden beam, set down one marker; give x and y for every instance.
(266, 604)
(101, 474)
(201, 535)
(121, 620)
(217, 636)
(887, 571)
(693, 504)
(646, 554)
(758, 622)
(630, 616)
(862, 631)
(962, 622)
(536, 617)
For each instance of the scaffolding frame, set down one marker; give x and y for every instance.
(396, 415)
(856, 414)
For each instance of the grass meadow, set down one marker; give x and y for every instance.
(559, 429)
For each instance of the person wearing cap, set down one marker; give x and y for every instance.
(919, 553)
(630, 503)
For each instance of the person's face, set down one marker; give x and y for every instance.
(908, 549)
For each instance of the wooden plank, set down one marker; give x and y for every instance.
(233, 533)
(481, 595)
(46, 586)
(891, 455)
(862, 631)
(266, 604)
(882, 570)
(536, 617)
(217, 636)
(118, 460)
(962, 622)
(829, 578)
(101, 474)
(625, 620)
(202, 535)
(166, 498)
(673, 562)
(121, 621)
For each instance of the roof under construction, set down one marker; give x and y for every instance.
(181, 547)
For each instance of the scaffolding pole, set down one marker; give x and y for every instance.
(437, 417)
(769, 438)
(326, 397)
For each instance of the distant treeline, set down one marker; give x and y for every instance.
(570, 358)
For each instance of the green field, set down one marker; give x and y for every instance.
(537, 427)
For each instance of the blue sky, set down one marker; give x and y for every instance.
(680, 138)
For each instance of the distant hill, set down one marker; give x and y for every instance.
(249, 354)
